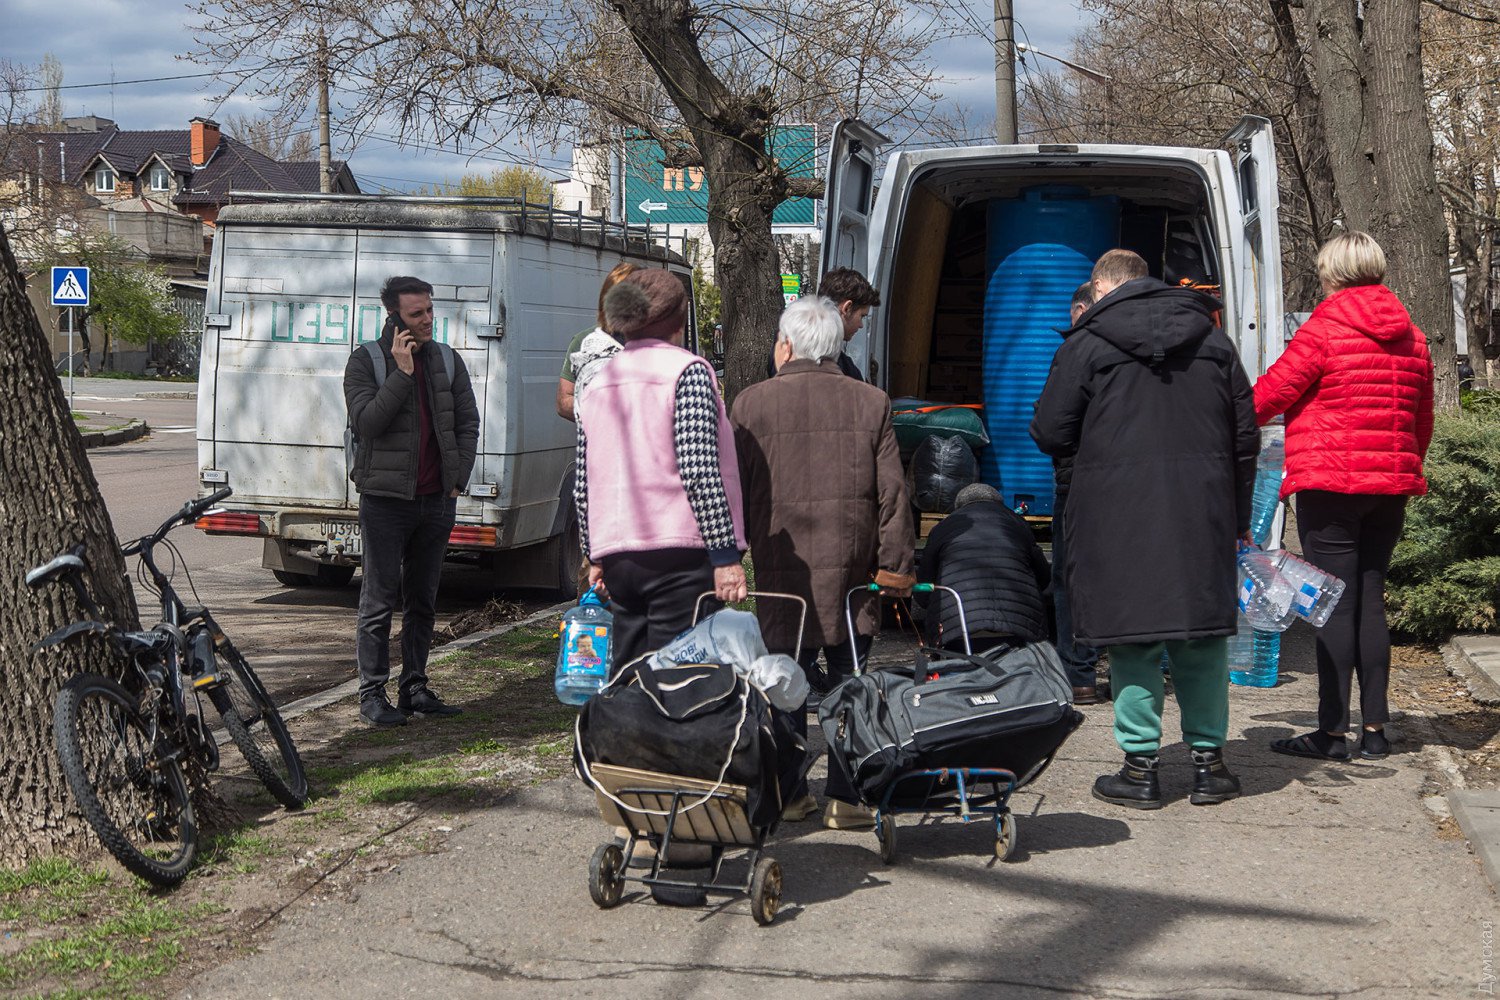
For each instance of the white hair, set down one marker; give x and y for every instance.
(813, 327)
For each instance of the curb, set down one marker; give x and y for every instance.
(173, 394)
(1478, 670)
(130, 432)
(339, 692)
(1478, 815)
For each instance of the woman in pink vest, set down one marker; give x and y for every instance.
(1355, 384)
(658, 492)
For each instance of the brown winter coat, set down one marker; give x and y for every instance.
(825, 498)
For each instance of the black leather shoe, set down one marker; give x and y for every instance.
(424, 702)
(378, 712)
(1212, 782)
(1134, 786)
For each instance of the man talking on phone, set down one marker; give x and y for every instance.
(416, 428)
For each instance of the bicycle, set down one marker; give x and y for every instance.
(123, 746)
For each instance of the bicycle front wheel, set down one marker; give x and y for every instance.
(133, 796)
(251, 718)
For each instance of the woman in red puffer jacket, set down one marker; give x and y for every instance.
(1355, 384)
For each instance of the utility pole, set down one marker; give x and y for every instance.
(325, 147)
(1005, 73)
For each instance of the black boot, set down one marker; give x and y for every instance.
(1212, 782)
(1134, 786)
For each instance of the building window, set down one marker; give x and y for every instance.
(104, 180)
(161, 178)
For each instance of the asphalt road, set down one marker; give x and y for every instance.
(299, 640)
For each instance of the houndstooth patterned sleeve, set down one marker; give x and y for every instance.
(581, 492)
(695, 435)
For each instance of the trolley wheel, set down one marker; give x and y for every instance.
(885, 832)
(1005, 835)
(765, 891)
(605, 882)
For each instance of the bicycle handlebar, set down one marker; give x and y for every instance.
(189, 512)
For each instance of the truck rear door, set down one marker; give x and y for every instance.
(277, 420)
(1261, 336)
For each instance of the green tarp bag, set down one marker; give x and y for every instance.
(916, 420)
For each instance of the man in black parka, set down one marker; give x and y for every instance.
(1148, 398)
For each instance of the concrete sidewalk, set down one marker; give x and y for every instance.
(1322, 881)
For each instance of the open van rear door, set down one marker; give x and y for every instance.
(849, 196)
(1260, 336)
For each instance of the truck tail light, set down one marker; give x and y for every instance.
(473, 536)
(229, 523)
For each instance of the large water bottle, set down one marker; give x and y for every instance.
(1253, 656)
(1314, 592)
(1269, 469)
(1265, 594)
(583, 655)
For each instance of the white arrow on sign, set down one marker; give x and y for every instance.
(653, 206)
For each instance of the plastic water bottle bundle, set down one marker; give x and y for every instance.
(1315, 593)
(1269, 470)
(1265, 593)
(583, 655)
(1276, 587)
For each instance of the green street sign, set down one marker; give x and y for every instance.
(791, 287)
(658, 194)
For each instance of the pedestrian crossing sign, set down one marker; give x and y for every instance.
(70, 286)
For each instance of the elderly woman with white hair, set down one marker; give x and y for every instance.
(1355, 384)
(825, 509)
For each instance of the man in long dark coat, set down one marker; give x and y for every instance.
(1148, 398)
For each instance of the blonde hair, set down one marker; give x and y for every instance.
(1119, 266)
(619, 274)
(1351, 259)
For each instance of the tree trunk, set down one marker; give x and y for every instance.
(49, 501)
(1408, 221)
(1313, 165)
(1339, 61)
(744, 184)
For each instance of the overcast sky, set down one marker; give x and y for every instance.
(100, 40)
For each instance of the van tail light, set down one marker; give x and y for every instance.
(229, 523)
(473, 536)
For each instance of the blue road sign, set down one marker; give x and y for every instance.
(70, 286)
(657, 193)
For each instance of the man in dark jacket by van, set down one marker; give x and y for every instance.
(986, 552)
(417, 433)
(1148, 398)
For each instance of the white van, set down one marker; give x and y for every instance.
(294, 286)
(976, 251)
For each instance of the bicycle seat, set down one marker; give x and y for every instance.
(61, 566)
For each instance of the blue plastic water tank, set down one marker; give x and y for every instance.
(1042, 246)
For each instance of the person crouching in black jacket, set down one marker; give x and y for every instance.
(986, 552)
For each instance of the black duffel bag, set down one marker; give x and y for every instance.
(866, 729)
(698, 720)
(1009, 709)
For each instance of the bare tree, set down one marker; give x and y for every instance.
(278, 138)
(50, 110)
(708, 81)
(1343, 83)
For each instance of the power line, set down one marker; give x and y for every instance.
(116, 83)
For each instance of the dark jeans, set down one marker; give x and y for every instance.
(839, 661)
(1078, 658)
(1352, 537)
(404, 545)
(652, 595)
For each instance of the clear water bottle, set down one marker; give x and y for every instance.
(1265, 594)
(1253, 656)
(583, 655)
(1314, 592)
(1269, 469)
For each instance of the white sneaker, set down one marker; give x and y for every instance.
(843, 816)
(799, 809)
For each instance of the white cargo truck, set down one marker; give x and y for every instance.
(971, 305)
(294, 287)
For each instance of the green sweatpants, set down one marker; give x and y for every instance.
(1200, 675)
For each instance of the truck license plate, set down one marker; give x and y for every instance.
(343, 536)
